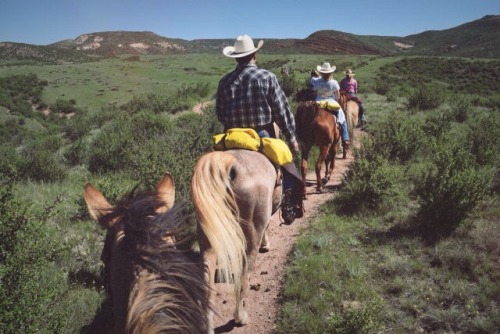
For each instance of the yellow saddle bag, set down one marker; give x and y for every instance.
(328, 105)
(274, 149)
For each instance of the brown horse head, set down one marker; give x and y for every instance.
(305, 94)
(154, 284)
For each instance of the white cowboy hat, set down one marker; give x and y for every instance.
(242, 47)
(326, 68)
(349, 72)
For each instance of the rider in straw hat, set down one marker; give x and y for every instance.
(350, 86)
(328, 88)
(251, 97)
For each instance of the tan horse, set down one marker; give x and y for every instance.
(351, 110)
(316, 127)
(153, 285)
(234, 193)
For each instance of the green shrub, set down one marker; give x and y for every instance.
(64, 106)
(289, 84)
(31, 284)
(437, 124)
(425, 97)
(40, 161)
(381, 87)
(400, 135)
(370, 181)
(10, 162)
(449, 188)
(111, 148)
(484, 135)
(461, 107)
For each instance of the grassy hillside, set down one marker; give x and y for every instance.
(478, 38)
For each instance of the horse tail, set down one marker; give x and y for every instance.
(218, 215)
(350, 121)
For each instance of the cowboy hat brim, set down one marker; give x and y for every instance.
(321, 70)
(229, 51)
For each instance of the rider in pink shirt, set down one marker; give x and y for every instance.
(350, 86)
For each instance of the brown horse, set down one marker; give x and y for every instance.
(316, 126)
(153, 285)
(351, 110)
(234, 192)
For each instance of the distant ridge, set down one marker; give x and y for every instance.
(479, 38)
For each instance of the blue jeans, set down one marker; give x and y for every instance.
(344, 132)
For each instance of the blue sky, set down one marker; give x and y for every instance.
(43, 22)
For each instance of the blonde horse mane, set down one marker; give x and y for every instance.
(218, 214)
(155, 284)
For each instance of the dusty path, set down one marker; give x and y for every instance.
(266, 279)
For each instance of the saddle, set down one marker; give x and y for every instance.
(328, 105)
(276, 150)
(354, 98)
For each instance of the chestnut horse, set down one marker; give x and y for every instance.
(153, 285)
(351, 110)
(316, 127)
(234, 192)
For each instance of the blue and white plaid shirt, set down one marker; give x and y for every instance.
(251, 97)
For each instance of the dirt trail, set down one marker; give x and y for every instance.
(266, 278)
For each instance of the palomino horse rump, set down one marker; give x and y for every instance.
(234, 194)
(351, 110)
(154, 284)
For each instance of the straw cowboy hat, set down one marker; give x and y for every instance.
(242, 47)
(326, 68)
(349, 72)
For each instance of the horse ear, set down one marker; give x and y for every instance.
(97, 205)
(165, 191)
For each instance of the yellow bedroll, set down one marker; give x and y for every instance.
(328, 105)
(274, 149)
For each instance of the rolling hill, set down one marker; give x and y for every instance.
(479, 38)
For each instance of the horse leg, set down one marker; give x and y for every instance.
(345, 148)
(331, 165)
(209, 273)
(264, 244)
(303, 170)
(321, 158)
(240, 314)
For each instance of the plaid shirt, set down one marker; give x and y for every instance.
(250, 97)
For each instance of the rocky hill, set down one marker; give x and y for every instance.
(479, 38)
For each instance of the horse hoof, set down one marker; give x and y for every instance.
(242, 319)
(324, 180)
(264, 249)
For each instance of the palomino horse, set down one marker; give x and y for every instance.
(153, 285)
(234, 192)
(351, 110)
(316, 126)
